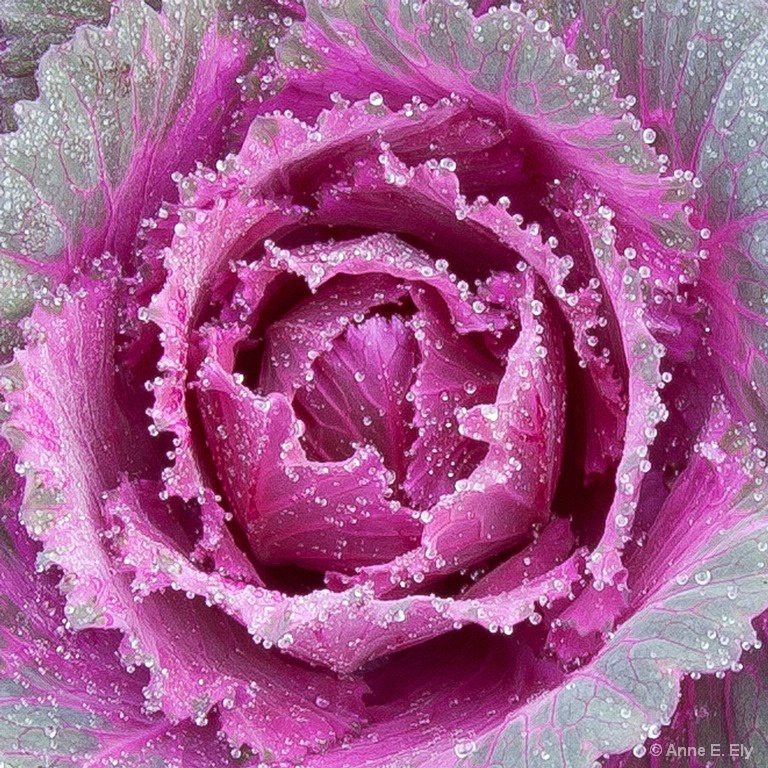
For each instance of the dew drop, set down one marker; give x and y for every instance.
(702, 577)
(464, 749)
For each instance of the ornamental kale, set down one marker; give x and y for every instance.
(385, 383)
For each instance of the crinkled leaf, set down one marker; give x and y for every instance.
(65, 699)
(95, 152)
(456, 371)
(340, 630)
(27, 29)
(698, 73)
(510, 490)
(284, 500)
(512, 69)
(695, 619)
(71, 442)
(251, 187)
(71, 439)
(357, 394)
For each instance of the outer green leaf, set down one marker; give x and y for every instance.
(27, 29)
(698, 71)
(120, 109)
(715, 715)
(673, 57)
(733, 164)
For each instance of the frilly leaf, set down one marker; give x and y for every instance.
(699, 79)
(697, 618)
(27, 29)
(511, 68)
(120, 109)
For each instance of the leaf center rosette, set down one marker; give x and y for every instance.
(394, 414)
